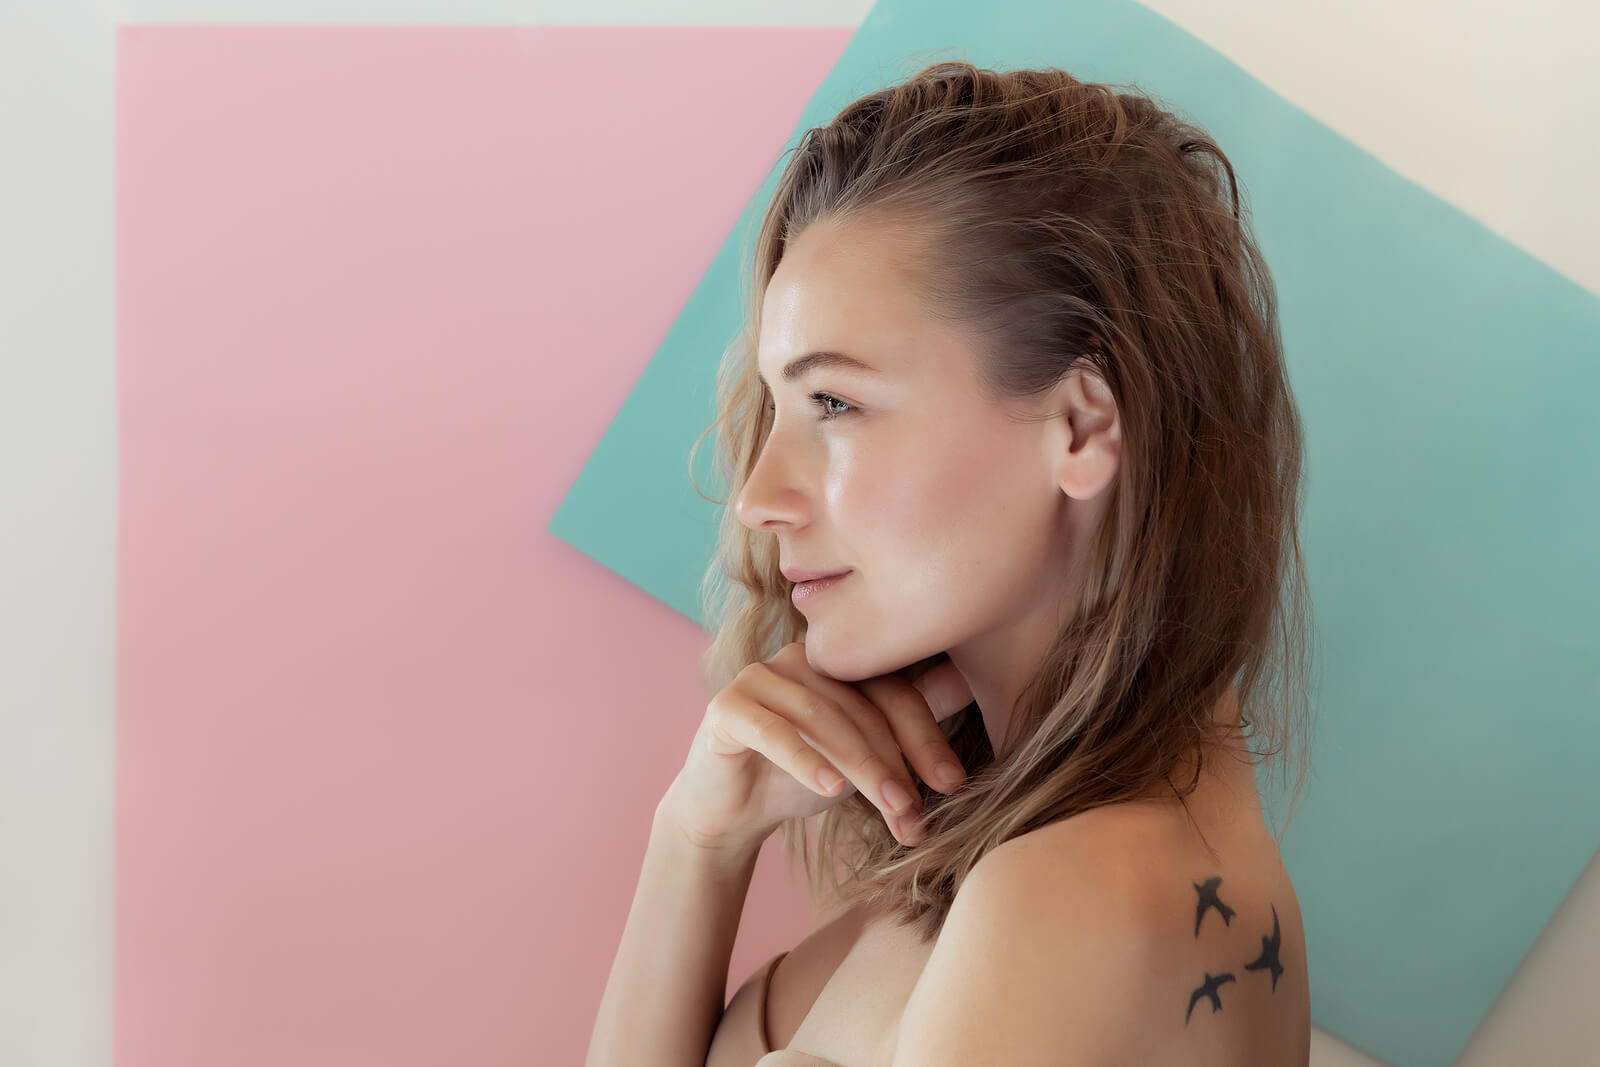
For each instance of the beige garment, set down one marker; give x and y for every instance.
(741, 1038)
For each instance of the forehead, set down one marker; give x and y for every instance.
(842, 288)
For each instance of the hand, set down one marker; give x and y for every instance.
(770, 733)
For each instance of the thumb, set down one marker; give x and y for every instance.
(944, 688)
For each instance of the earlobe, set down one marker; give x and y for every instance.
(1085, 474)
(1091, 440)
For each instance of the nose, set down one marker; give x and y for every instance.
(771, 494)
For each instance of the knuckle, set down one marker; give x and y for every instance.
(761, 732)
(804, 754)
(813, 705)
(875, 767)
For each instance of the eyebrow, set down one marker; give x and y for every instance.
(800, 367)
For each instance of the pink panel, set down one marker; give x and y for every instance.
(382, 789)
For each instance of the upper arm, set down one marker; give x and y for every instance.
(765, 1011)
(739, 1039)
(1044, 960)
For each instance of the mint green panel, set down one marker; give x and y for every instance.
(1447, 380)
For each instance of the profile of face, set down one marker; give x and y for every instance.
(961, 528)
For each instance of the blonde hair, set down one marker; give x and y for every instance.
(1067, 224)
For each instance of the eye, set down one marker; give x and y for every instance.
(822, 400)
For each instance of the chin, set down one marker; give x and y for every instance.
(862, 663)
(829, 665)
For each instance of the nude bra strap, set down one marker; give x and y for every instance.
(761, 1010)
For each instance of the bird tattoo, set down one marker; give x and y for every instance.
(1268, 960)
(1209, 989)
(1208, 899)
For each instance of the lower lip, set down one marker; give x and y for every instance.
(807, 590)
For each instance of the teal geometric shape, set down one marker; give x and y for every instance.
(1446, 379)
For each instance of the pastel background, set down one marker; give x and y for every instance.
(1450, 558)
(314, 744)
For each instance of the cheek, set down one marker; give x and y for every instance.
(929, 516)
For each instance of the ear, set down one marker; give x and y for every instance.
(1086, 445)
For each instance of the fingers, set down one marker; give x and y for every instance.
(944, 688)
(850, 733)
(915, 725)
(748, 723)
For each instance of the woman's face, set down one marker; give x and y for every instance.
(959, 526)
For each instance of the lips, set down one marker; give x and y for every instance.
(804, 592)
(801, 574)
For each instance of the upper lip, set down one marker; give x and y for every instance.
(800, 574)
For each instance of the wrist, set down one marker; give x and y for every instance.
(732, 852)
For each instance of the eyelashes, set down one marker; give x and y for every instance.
(822, 399)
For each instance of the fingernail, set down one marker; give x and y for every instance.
(895, 795)
(950, 774)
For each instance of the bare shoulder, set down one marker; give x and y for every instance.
(1213, 914)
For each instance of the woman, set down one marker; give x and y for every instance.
(1014, 380)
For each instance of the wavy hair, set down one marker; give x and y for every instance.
(1069, 224)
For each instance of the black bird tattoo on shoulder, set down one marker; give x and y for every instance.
(1208, 899)
(1208, 989)
(1268, 960)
